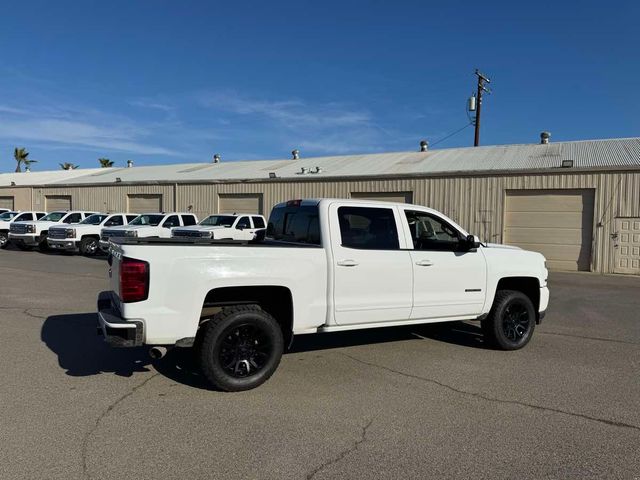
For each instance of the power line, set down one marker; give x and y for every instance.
(451, 134)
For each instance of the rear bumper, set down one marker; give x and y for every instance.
(117, 331)
(62, 244)
(26, 238)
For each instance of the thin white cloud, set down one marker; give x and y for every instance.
(151, 104)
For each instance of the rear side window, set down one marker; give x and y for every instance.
(188, 220)
(295, 224)
(39, 215)
(130, 218)
(258, 222)
(368, 228)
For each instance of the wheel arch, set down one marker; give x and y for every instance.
(276, 300)
(530, 286)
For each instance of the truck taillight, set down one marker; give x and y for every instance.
(134, 280)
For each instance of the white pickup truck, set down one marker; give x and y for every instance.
(239, 226)
(85, 236)
(325, 265)
(26, 235)
(148, 225)
(9, 217)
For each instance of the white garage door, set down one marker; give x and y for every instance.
(556, 223)
(144, 203)
(6, 202)
(57, 203)
(232, 203)
(400, 197)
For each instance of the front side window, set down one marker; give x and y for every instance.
(172, 221)
(244, 223)
(431, 233)
(73, 218)
(368, 228)
(53, 217)
(258, 222)
(114, 221)
(153, 220)
(95, 219)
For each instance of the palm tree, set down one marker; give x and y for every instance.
(22, 157)
(105, 162)
(68, 166)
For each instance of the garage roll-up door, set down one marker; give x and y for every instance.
(556, 223)
(6, 202)
(144, 202)
(400, 197)
(57, 202)
(241, 203)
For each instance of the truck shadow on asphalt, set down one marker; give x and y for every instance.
(81, 352)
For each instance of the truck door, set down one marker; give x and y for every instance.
(372, 274)
(447, 282)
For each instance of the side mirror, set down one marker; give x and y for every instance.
(469, 242)
(240, 227)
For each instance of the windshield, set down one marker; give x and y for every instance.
(153, 220)
(8, 215)
(218, 221)
(53, 217)
(95, 219)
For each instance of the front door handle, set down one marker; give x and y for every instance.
(424, 263)
(348, 263)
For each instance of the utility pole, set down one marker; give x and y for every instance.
(482, 81)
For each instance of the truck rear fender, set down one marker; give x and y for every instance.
(273, 299)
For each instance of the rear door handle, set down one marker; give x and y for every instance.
(348, 263)
(424, 263)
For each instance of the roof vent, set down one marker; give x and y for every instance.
(317, 170)
(296, 154)
(129, 163)
(216, 158)
(304, 171)
(424, 145)
(544, 137)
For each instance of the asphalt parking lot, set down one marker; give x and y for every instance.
(420, 402)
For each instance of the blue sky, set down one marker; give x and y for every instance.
(166, 81)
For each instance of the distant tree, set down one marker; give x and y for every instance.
(105, 162)
(68, 166)
(22, 158)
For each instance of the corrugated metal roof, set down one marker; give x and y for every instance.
(621, 152)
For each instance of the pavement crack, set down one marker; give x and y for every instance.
(344, 453)
(109, 409)
(27, 312)
(488, 398)
(599, 339)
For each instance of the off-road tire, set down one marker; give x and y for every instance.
(217, 337)
(4, 240)
(500, 329)
(86, 246)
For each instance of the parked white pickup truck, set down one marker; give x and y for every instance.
(239, 226)
(324, 266)
(9, 217)
(148, 225)
(26, 235)
(85, 236)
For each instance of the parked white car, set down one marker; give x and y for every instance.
(326, 265)
(239, 226)
(9, 217)
(26, 235)
(85, 236)
(148, 225)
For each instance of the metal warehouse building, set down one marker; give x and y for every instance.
(576, 202)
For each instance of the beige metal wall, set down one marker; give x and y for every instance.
(476, 202)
